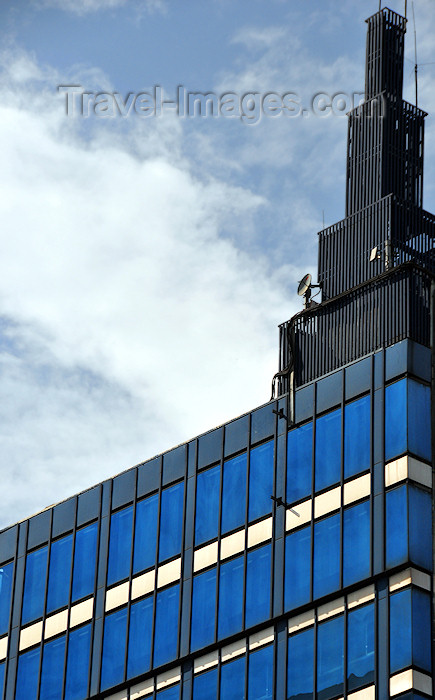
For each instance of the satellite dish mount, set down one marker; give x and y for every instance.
(304, 290)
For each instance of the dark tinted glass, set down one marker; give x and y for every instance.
(396, 526)
(297, 568)
(166, 625)
(419, 417)
(261, 480)
(299, 462)
(171, 521)
(145, 533)
(115, 630)
(326, 555)
(300, 665)
(361, 647)
(421, 629)
(420, 527)
(53, 664)
(207, 505)
(328, 450)
(121, 524)
(330, 658)
(203, 609)
(85, 556)
(34, 586)
(258, 585)
(59, 573)
(400, 630)
(139, 640)
(395, 419)
(77, 670)
(356, 543)
(234, 493)
(6, 576)
(357, 437)
(230, 597)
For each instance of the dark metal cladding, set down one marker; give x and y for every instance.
(370, 304)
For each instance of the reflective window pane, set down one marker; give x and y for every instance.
(261, 480)
(233, 680)
(59, 573)
(356, 543)
(300, 666)
(258, 576)
(172, 693)
(361, 647)
(328, 450)
(260, 674)
(115, 630)
(166, 625)
(145, 533)
(233, 493)
(396, 526)
(357, 437)
(6, 577)
(421, 629)
(400, 630)
(419, 417)
(139, 640)
(297, 568)
(171, 521)
(77, 671)
(207, 505)
(230, 619)
(420, 527)
(205, 685)
(85, 554)
(34, 586)
(121, 524)
(395, 419)
(27, 675)
(330, 658)
(326, 555)
(203, 609)
(2, 677)
(53, 663)
(299, 462)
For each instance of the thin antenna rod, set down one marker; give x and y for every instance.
(406, 9)
(380, 5)
(323, 217)
(415, 50)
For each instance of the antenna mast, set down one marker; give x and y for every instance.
(415, 51)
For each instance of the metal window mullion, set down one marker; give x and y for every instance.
(44, 611)
(73, 548)
(130, 578)
(153, 630)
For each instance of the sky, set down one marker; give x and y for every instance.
(148, 255)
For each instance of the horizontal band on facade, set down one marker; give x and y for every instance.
(407, 467)
(334, 607)
(410, 680)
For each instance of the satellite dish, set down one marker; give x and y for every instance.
(374, 254)
(304, 285)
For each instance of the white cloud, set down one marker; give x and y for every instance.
(82, 7)
(114, 266)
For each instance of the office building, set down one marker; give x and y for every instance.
(288, 553)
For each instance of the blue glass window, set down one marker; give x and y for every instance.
(261, 480)
(361, 647)
(328, 450)
(258, 575)
(395, 419)
(326, 555)
(205, 686)
(121, 524)
(77, 670)
(396, 526)
(419, 417)
(2, 677)
(166, 625)
(297, 568)
(85, 554)
(230, 597)
(34, 586)
(357, 437)
(6, 576)
(203, 609)
(207, 505)
(299, 462)
(172, 693)
(139, 641)
(145, 534)
(59, 576)
(115, 630)
(27, 676)
(410, 636)
(420, 527)
(260, 674)
(171, 521)
(53, 664)
(233, 680)
(233, 493)
(330, 658)
(356, 543)
(300, 678)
